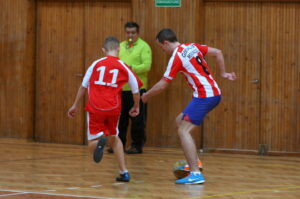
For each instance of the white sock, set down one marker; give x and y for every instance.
(196, 173)
(122, 172)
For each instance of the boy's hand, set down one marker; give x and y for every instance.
(134, 112)
(72, 111)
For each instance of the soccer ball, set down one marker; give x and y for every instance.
(179, 170)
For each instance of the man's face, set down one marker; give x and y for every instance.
(164, 46)
(131, 34)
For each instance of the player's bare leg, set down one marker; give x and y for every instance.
(187, 142)
(117, 147)
(92, 145)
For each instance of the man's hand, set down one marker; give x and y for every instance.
(230, 76)
(72, 111)
(144, 98)
(134, 112)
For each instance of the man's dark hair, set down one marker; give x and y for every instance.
(166, 34)
(111, 43)
(132, 24)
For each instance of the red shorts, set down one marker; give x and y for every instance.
(105, 123)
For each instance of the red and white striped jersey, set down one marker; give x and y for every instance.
(189, 60)
(104, 80)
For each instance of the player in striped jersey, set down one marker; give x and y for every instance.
(188, 59)
(104, 80)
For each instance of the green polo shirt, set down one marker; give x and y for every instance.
(139, 58)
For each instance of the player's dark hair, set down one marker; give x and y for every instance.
(132, 24)
(166, 34)
(111, 43)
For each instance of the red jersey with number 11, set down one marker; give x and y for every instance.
(105, 79)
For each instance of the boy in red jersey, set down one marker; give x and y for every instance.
(104, 80)
(189, 60)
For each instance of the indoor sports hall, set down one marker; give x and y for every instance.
(249, 144)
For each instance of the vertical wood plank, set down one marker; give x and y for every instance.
(17, 47)
(60, 61)
(281, 72)
(235, 29)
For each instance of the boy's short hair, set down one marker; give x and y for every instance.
(166, 34)
(132, 24)
(111, 43)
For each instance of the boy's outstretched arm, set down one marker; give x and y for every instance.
(80, 93)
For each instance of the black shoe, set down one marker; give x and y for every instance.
(98, 153)
(133, 150)
(110, 150)
(123, 177)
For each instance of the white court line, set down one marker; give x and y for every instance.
(73, 188)
(95, 186)
(50, 194)
(12, 194)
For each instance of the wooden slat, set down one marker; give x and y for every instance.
(17, 50)
(257, 1)
(103, 19)
(235, 29)
(60, 58)
(281, 72)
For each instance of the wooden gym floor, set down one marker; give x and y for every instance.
(30, 170)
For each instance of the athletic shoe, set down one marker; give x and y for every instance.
(134, 150)
(98, 153)
(110, 150)
(191, 179)
(125, 177)
(183, 171)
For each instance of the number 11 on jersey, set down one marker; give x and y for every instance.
(101, 77)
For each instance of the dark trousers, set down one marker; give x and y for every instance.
(138, 123)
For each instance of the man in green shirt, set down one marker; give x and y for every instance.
(137, 54)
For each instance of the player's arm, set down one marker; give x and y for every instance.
(218, 55)
(134, 85)
(156, 89)
(80, 93)
(135, 110)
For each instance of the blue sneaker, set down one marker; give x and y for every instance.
(191, 179)
(98, 153)
(125, 177)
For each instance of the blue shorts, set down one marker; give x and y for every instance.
(198, 108)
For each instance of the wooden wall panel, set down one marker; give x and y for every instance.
(103, 19)
(60, 58)
(163, 109)
(70, 38)
(281, 71)
(235, 29)
(17, 47)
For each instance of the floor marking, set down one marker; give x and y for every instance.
(118, 183)
(12, 194)
(95, 186)
(50, 194)
(73, 188)
(246, 192)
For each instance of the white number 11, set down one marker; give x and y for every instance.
(101, 77)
